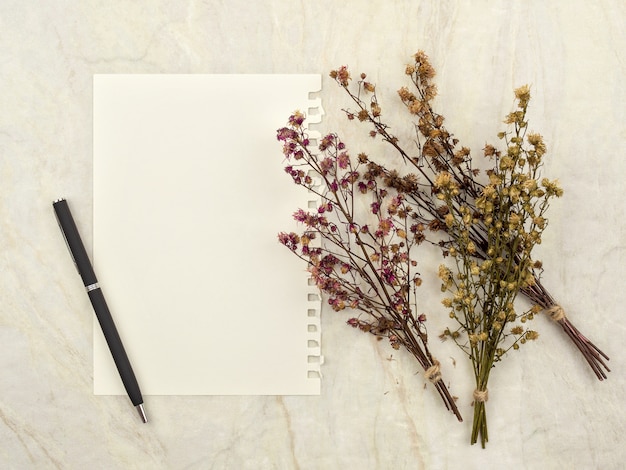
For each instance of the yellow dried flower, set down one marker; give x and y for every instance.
(552, 187)
(495, 179)
(531, 335)
(443, 180)
(489, 150)
(539, 222)
(449, 220)
(536, 140)
(506, 163)
(516, 117)
(406, 95)
(514, 219)
(530, 185)
(444, 273)
(523, 95)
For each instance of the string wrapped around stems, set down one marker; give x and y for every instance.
(538, 294)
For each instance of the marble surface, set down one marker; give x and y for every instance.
(547, 410)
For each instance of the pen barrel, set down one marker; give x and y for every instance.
(115, 345)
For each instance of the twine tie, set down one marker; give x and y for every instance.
(556, 312)
(433, 373)
(481, 395)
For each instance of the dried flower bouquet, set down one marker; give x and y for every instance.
(359, 253)
(437, 151)
(512, 207)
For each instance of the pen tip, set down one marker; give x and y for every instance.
(142, 413)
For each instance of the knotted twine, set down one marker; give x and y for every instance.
(556, 312)
(433, 373)
(481, 395)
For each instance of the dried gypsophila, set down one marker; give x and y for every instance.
(512, 206)
(360, 263)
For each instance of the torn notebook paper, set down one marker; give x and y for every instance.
(189, 195)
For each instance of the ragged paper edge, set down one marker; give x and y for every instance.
(315, 359)
(309, 375)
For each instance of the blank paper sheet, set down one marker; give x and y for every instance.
(189, 195)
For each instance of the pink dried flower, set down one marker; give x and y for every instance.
(290, 240)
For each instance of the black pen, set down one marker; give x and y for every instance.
(81, 260)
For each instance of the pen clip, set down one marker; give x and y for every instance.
(67, 244)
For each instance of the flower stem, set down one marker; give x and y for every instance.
(479, 426)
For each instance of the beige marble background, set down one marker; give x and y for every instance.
(547, 410)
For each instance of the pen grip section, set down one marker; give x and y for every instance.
(115, 345)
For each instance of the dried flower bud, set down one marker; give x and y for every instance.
(342, 75)
(290, 240)
(443, 180)
(375, 109)
(523, 95)
(363, 115)
(489, 150)
(536, 140)
(552, 187)
(405, 95)
(531, 335)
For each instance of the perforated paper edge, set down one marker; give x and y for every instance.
(315, 359)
